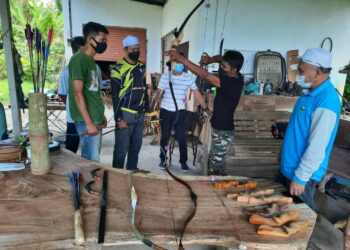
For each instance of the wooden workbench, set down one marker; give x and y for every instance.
(37, 211)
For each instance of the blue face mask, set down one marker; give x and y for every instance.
(179, 67)
(301, 81)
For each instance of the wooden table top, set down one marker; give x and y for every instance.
(37, 211)
(56, 106)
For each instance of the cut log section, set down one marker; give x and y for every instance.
(275, 221)
(285, 231)
(37, 211)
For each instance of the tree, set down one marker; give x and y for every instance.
(43, 16)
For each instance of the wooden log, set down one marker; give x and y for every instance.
(38, 132)
(37, 212)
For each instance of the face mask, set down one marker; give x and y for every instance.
(100, 46)
(179, 67)
(222, 72)
(135, 55)
(300, 80)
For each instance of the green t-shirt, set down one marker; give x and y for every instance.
(83, 67)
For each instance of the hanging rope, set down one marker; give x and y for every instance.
(207, 6)
(223, 27)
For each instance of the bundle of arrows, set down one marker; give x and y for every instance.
(37, 44)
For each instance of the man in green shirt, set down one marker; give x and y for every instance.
(85, 100)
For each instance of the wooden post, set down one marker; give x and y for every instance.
(7, 38)
(38, 132)
(347, 235)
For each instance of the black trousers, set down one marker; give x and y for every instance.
(72, 137)
(307, 197)
(167, 123)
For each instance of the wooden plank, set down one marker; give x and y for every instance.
(285, 103)
(262, 115)
(257, 123)
(253, 128)
(259, 103)
(343, 136)
(255, 172)
(56, 106)
(257, 141)
(252, 161)
(255, 154)
(263, 148)
(254, 134)
(37, 211)
(249, 103)
(292, 59)
(339, 162)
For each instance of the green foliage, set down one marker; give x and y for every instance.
(4, 90)
(43, 16)
(347, 88)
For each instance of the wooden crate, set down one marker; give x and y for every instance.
(255, 151)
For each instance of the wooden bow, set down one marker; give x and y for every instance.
(178, 34)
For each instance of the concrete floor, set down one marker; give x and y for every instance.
(149, 159)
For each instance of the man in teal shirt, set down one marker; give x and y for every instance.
(85, 100)
(312, 128)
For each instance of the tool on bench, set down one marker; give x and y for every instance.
(102, 224)
(95, 177)
(242, 185)
(103, 194)
(74, 179)
(274, 221)
(266, 210)
(141, 171)
(335, 189)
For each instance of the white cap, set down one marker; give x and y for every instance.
(130, 41)
(317, 57)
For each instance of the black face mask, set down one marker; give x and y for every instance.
(100, 46)
(222, 72)
(135, 55)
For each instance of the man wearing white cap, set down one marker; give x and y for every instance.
(312, 128)
(130, 100)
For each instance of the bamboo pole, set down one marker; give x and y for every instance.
(38, 132)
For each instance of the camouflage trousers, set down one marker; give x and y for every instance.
(221, 142)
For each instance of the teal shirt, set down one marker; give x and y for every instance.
(310, 134)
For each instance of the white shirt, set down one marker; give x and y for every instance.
(181, 85)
